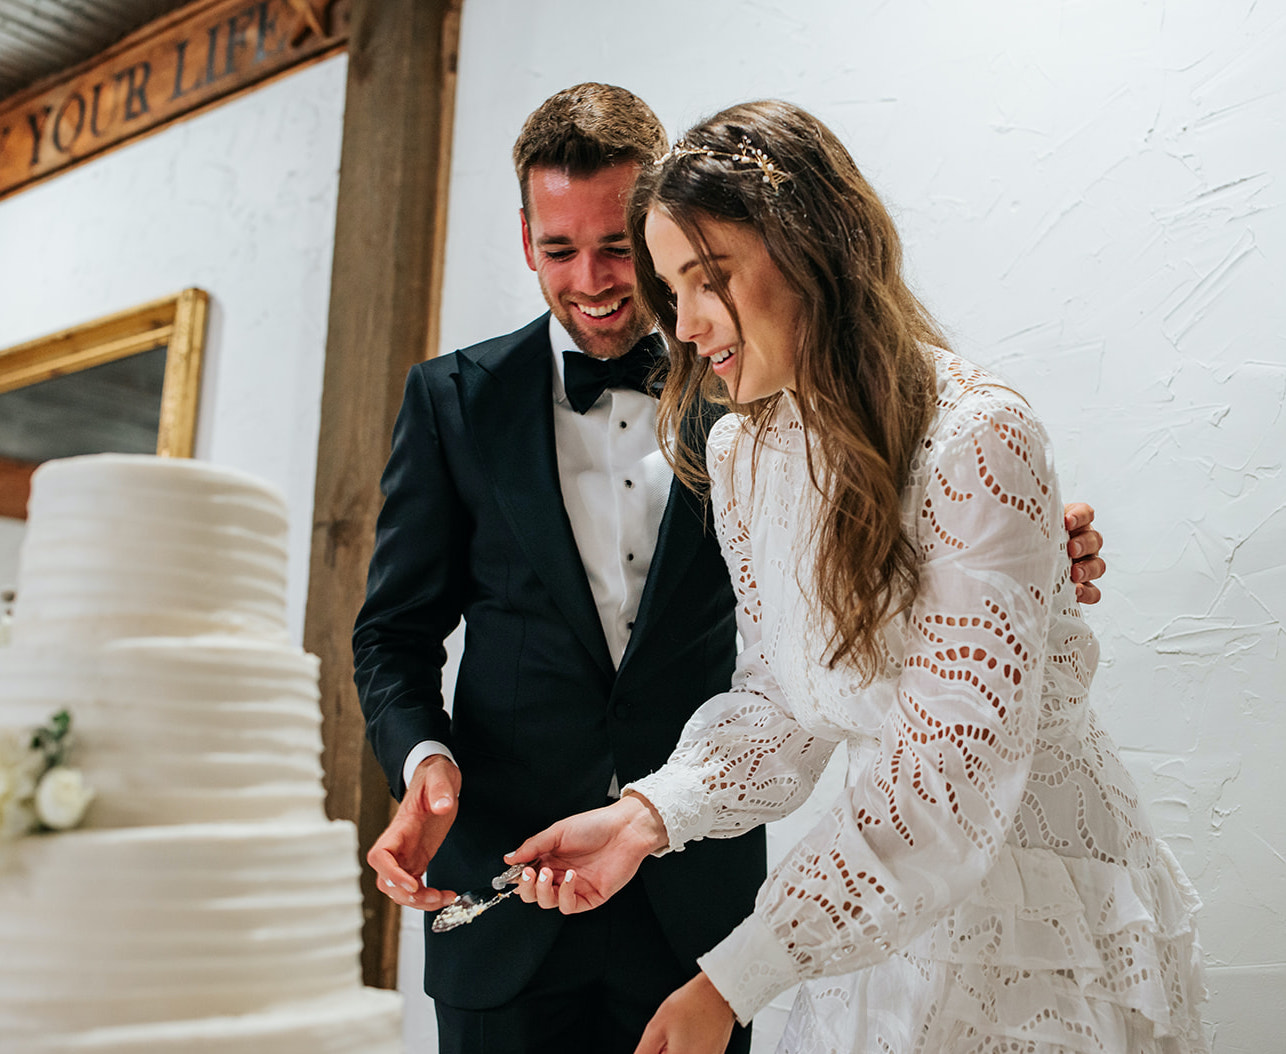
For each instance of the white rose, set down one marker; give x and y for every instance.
(16, 786)
(16, 819)
(62, 798)
(21, 766)
(12, 751)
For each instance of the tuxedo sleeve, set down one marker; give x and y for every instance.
(414, 589)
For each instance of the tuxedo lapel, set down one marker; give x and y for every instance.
(682, 529)
(507, 401)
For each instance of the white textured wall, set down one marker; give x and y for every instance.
(1092, 202)
(239, 201)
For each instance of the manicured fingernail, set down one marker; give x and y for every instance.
(442, 803)
(568, 876)
(545, 874)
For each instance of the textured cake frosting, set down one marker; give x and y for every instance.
(131, 546)
(206, 904)
(229, 728)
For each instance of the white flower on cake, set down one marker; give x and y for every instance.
(37, 789)
(62, 798)
(17, 817)
(20, 769)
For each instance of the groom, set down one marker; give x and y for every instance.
(526, 494)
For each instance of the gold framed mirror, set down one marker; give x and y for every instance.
(124, 383)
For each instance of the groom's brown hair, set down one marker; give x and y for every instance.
(587, 127)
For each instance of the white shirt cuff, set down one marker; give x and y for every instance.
(419, 752)
(749, 967)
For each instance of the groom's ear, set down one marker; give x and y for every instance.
(527, 249)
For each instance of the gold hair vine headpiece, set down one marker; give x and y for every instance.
(746, 154)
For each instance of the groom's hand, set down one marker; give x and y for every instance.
(1083, 545)
(578, 863)
(417, 830)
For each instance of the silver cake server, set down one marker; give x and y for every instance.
(468, 906)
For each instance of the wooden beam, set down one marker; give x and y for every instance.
(387, 267)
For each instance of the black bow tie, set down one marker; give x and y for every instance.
(585, 378)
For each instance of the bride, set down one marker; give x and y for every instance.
(987, 880)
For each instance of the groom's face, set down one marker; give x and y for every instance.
(573, 234)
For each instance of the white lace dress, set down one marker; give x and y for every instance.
(987, 881)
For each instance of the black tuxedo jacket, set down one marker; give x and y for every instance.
(473, 525)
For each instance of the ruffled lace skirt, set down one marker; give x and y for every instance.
(1054, 954)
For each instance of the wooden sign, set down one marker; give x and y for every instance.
(183, 62)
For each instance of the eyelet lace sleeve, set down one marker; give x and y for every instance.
(940, 744)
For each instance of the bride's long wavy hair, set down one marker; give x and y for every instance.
(863, 379)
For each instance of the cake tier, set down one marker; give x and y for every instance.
(368, 1021)
(143, 925)
(128, 545)
(176, 731)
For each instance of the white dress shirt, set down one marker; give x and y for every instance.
(615, 483)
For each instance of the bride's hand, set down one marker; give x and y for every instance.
(694, 1020)
(586, 858)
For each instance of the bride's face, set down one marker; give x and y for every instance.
(759, 360)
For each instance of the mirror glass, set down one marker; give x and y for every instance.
(113, 407)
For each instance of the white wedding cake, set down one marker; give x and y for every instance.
(206, 904)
